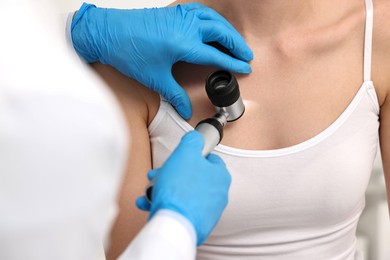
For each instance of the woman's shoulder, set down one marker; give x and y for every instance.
(381, 21)
(380, 48)
(186, 2)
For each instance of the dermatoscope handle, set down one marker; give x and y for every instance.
(212, 131)
(211, 137)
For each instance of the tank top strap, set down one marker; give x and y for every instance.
(368, 40)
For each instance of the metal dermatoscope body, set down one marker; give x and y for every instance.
(223, 91)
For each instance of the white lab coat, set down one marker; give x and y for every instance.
(63, 144)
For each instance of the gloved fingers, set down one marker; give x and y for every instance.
(152, 174)
(175, 95)
(142, 204)
(211, 14)
(214, 31)
(208, 55)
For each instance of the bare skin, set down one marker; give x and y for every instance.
(308, 66)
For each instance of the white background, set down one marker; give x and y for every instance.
(374, 227)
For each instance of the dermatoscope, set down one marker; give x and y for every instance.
(223, 91)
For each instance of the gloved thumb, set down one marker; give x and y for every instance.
(176, 96)
(192, 141)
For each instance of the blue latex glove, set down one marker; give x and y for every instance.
(192, 185)
(145, 43)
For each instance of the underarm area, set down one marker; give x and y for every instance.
(133, 99)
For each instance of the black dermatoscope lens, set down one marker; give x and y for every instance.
(223, 91)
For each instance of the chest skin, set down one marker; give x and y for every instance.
(299, 85)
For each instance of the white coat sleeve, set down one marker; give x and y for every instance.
(167, 236)
(63, 143)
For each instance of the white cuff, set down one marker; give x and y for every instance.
(181, 221)
(68, 31)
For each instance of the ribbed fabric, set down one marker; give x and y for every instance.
(299, 202)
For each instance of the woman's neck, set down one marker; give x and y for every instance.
(272, 17)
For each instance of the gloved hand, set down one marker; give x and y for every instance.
(144, 44)
(192, 185)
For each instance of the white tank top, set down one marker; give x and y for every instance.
(299, 202)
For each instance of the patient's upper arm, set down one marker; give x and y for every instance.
(134, 99)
